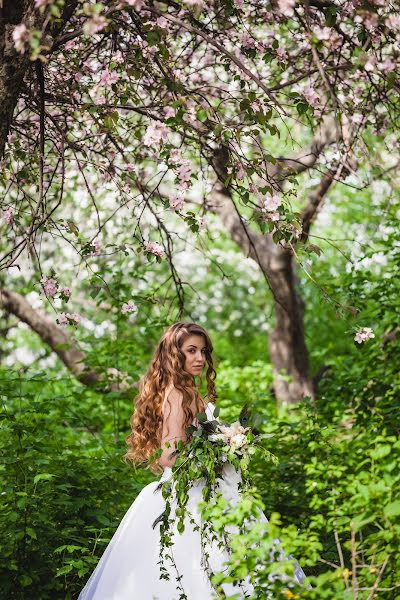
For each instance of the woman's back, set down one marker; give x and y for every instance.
(173, 428)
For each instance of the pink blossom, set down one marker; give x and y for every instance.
(49, 286)
(41, 3)
(393, 22)
(136, 4)
(246, 40)
(108, 77)
(196, 78)
(387, 65)
(176, 203)
(195, 3)
(20, 36)
(155, 134)
(8, 216)
(357, 118)
(128, 307)
(162, 23)
(175, 156)
(68, 318)
(118, 57)
(201, 222)
(11, 138)
(322, 33)
(368, 19)
(130, 167)
(62, 319)
(147, 51)
(71, 45)
(349, 8)
(184, 172)
(154, 248)
(286, 7)
(183, 186)
(370, 63)
(99, 99)
(272, 216)
(97, 248)
(364, 334)
(241, 172)
(74, 317)
(271, 203)
(169, 112)
(281, 54)
(65, 292)
(95, 24)
(311, 96)
(182, 77)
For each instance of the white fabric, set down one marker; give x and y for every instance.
(128, 568)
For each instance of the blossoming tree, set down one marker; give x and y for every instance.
(176, 104)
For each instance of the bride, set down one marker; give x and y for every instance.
(167, 403)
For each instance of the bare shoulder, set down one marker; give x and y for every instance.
(172, 397)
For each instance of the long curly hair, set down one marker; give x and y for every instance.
(166, 367)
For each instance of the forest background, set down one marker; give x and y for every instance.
(233, 164)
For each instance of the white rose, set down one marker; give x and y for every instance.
(238, 440)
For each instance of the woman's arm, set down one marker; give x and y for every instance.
(173, 426)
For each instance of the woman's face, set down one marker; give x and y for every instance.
(194, 349)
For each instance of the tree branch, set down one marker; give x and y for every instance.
(315, 201)
(59, 341)
(326, 134)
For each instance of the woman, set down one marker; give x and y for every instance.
(167, 403)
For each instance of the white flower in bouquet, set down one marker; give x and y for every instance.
(238, 440)
(234, 435)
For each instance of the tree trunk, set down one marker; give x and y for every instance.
(13, 65)
(288, 351)
(287, 347)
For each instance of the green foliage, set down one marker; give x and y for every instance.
(332, 498)
(57, 442)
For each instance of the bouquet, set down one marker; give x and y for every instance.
(212, 448)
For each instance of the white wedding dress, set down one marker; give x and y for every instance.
(129, 569)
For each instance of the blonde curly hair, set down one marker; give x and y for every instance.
(166, 368)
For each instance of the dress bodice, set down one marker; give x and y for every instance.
(209, 411)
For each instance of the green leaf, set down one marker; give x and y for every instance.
(64, 570)
(42, 477)
(302, 107)
(392, 509)
(202, 115)
(31, 532)
(153, 37)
